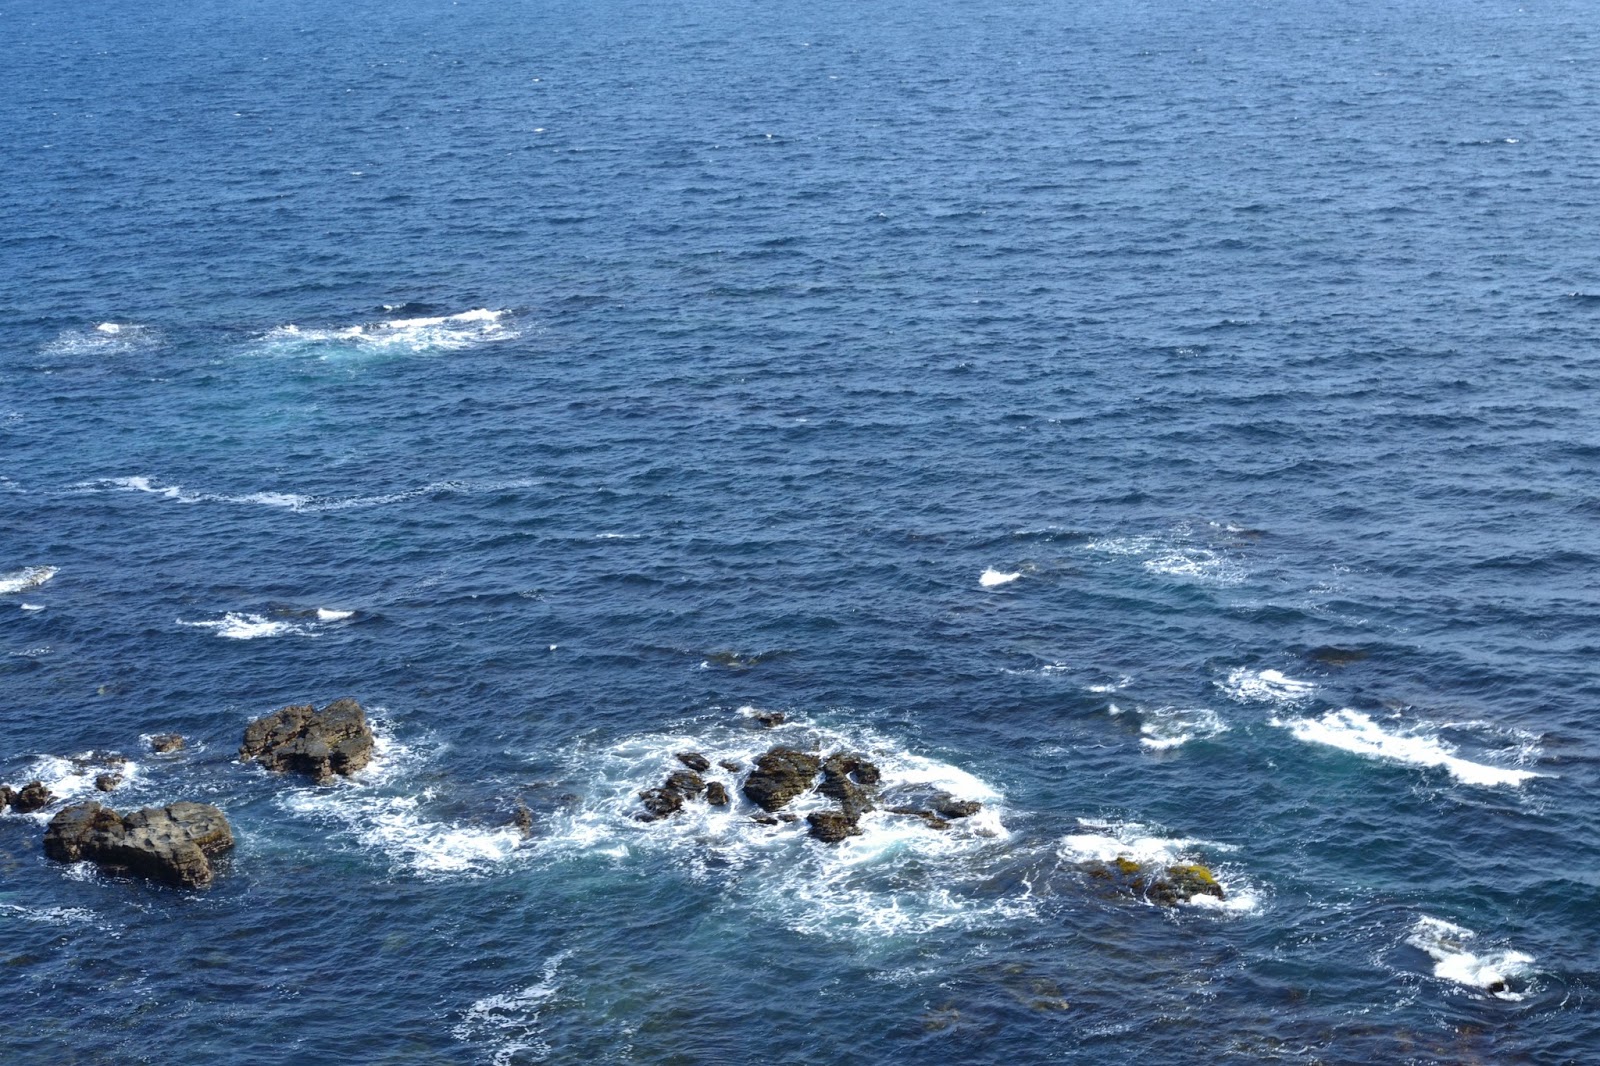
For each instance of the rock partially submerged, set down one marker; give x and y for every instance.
(1165, 886)
(33, 796)
(335, 741)
(779, 776)
(172, 844)
(166, 743)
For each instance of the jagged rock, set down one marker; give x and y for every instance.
(172, 844)
(689, 783)
(31, 797)
(934, 806)
(107, 782)
(334, 740)
(717, 794)
(770, 719)
(763, 819)
(105, 759)
(779, 776)
(163, 743)
(523, 820)
(8, 795)
(788, 819)
(731, 766)
(694, 761)
(830, 827)
(947, 806)
(660, 802)
(847, 778)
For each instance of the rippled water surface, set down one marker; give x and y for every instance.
(1172, 426)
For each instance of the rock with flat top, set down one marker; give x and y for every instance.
(779, 776)
(335, 741)
(173, 844)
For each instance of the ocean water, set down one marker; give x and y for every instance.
(1173, 425)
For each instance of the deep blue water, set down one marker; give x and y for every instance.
(623, 367)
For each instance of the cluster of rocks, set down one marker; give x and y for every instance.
(175, 844)
(782, 775)
(1165, 885)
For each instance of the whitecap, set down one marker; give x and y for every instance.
(508, 1023)
(1165, 728)
(240, 626)
(1265, 686)
(1353, 731)
(63, 916)
(29, 577)
(104, 338)
(1173, 557)
(32, 606)
(1107, 841)
(1447, 944)
(437, 333)
(328, 614)
(991, 578)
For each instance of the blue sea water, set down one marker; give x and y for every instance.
(1173, 425)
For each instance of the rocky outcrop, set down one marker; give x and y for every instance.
(717, 794)
(7, 795)
(323, 744)
(31, 797)
(1163, 885)
(173, 844)
(694, 761)
(107, 782)
(779, 776)
(935, 807)
(166, 743)
(830, 827)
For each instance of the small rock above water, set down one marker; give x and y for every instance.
(33, 796)
(779, 776)
(107, 782)
(694, 761)
(1165, 886)
(165, 743)
(830, 827)
(323, 744)
(172, 844)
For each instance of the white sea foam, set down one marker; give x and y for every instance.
(240, 626)
(376, 811)
(1447, 944)
(1107, 841)
(293, 501)
(72, 779)
(508, 1025)
(32, 606)
(29, 577)
(1266, 686)
(328, 614)
(1353, 731)
(1165, 728)
(103, 339)
(441, 333)
(58, 915)
(1173, 556)
(992, 578)
(900, 876)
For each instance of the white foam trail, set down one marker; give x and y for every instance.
(1266, 686)
(328, 614)
(1352, 731)
(105, 338)
(236, 626)
(29, 577)
(1165, 728)
(439, 333)
(32, 606)
(59, 915)
(992, 578)
(298, 502)
(509, 1022)
(367, 808)
(1446, 944)
(1172, 556)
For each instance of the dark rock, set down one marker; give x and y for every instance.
(763, 819)
(105, 759)
(172, 844)
(694, 761)
(947, 806)
(717, 794)
(731, 766)
(687, 782)
(845, 778)
(334, 740)
(32, 797)
(830, 827)
(1329, 655)
(1163, 886)
(923, 800)
(8, 795)
(779, 776)
(661, 802)
(788, 819)
(164, 743)
(523, 820)
(107, 782)
(770, 719)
